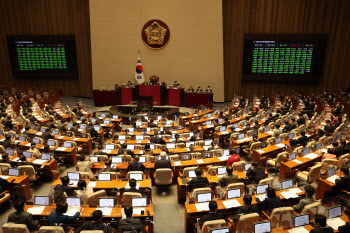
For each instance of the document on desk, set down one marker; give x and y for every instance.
(72, 211)
(238, 129)
(231, 203)
(297, 161)
(15, 160)
(61, 149)
(289, 195)
(39, 161)
(298, 230)
(80, 130)
(224, 132)
(333, 178)
(141, 152)
(60, 137)
(200, 161)
(261, 197)
(73, 183)
(75, 139)
(311, 156)
(260, 151)
(202, 206)
(28, 144)
(171, 139)
(335, 223)
(223, 158)
(295, 190)
(107, 151)
(92, 184)
(324, 151)
(206, 147)
(36, 210)
(137, 211)
(177, 163)
(4, 177)
(280, 145)
(127, 186)
(105, 211)
(269, 132)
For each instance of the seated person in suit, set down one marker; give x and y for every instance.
(56, 218)
(21, 216)
(191, 89)
(5, 158)
(61, 188)
(108, 167)
(345, 228)
(198, 181)
(208, 90)
(321, 223)
(163, 162)
(302, 140)
(233, 158)
(23, 161)
(328, 128)
(199, 89)
(47, 135)
(212, 215)
(229, 178)
(255, 172)
(95, 224)
(301, 119)
(83, 192)
(248, 208)
(288, 127)
(319, 134)
(100, 150)
(130, 223)
(8, 142)
(271, 201)
(135, 165)
(8, 123)
(84, 165)
(338, 151)
(309, 192)
(133, 185)
(278, 131)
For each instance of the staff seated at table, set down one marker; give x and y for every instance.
(130, 223)
(309, 192)
(212, 215)
(133, 189)
(229, 178)
(7, 143)
(21, 216)
(321, 223)
(302, 140)
(255, 173)
(58, 217)
(64, 188)
(248, 208)
(199, 181)
(271, 201)
(156, 139)
(135, 165)
(108, 167)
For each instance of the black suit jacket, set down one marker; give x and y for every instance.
(198, 182)
(345, 228)
(256, 174)
(23, 217)
(210, 217)
(288, 128)
(302, 140)
(136, 167)
(8, 124)
(270, 203)
(91, 226)
(129, 223)
(301, 121)
(248, 209)
(343, 182)
(322, 230)
(163, 163)
(47, 135)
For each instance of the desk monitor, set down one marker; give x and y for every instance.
(131, 130)
(186, 157)
(161, 129)
(292, 156)
(207, 154)
(287, 184)
(110, 146)
(301, 220)
(173, 136)
(36, 140)
(152, 146)
(97, 128)
(10, 152)
(208, 142)
(220, 120)
(291, 136)
(139, 137)
(104, 202)
(41, 200)
(121, 137)
(203, 197)
(10, 134)
(13, 172)
(136, 176)
(32, 127)
(306, 151)
(159, 118)
(168, 122)
(94, 158)
(73, 201)
(139, 201)
(142, 159)
(260, 189)
(103, 115)
(138, 123)
(331, 171)
(93, 120)
(45, 156)
(50, 142)
(262, 227)
(55, 132)
(115, 116)
(82, 126)
(167, 157)
(244, 123)
(146, 118)
(319, 146)
(117, 159)
(340, 136)
(27, 154)
(221, 230)
(222, 128)
(262, 117)
(67, 144)
(1, 133)
(247, 166)
(241, 136)
(238, 150)
(170, 145)
(69, 125)
(278, 140)
(130, 147)
(191, 134)
(187, 113)
(208, 123)
(148, 129)
(191, 174)
(104, 177)
(222, 170)
(233, 193)
(188, 144)
(107, 122)
(267, 129)
(42, 129)
(226, 152)
(334, 212)
(73, 175)
(209, 115)
(263, 145)
(22, 138)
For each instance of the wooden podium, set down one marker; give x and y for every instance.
(145, 103)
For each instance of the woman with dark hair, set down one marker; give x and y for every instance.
(83, 192)
(57, 217)
(271, 201)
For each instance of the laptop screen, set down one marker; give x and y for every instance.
(50, 142)
(207, 154)
(263, 145)
(226, 152)
(168, 122)
(203, 197)
(260, 189)
(241, 136)
(103, 115)
(73, 175)
(319, 146)
(142, 159)
(69, 125)
(121, 137)
(208, 123)
(301, 220)
(104, 177)
(222, 128)
(10, 152)
(208, 142)
(221, 230)
(167, 157)
(287, 184)
(136, 176)
(138, 123)
(278, 140)
(267, 129)
(130, 147)
(94, 158)
(115, 116)
(106, 202)
(22, 138)
(97, 127)
(14, 172)
(45, 156)
(93, 120)
(292, 156)
(116, 159)
(139, 202)
(40, 200)
(67, 144)
(291, 136)
(331, 171)
(334, 212)
(209, 115)
(42, 129)
(82, 126)
(191, 174)
(27, 154)
(107, 122)
(148, 129)
(73, 201)
(222, 170)
(139, 137)
(131, 130)
(32, 127)
(247, 166)
(262, 227)
(306, 151)
(233, 193)
(188, 144)
(55, 132)
(109, 147)
(170, 145)
(185, 157)
(36, 140)
(152, 146)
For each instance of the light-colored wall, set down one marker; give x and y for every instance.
(193, 56)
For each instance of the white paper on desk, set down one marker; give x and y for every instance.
(295, 190)
(39, 133)
(73, 183)
(1, 140)
(231, 203)
(333, 178)
(60, 137)
(298, 230)
(260, 151)
(171, 139)
(72, 211)
(127, 186)
(138, 141)
(206, 147)
(105, 211)
(297, 161)
(75, 139)
(28, 144)
(223, 158)
(80, 130)
(61, 148)
(200, 161)
(177, 163)
(269, 132)
(311, 156)
(224, 132)
(324, 151)
(261, 197)
(4, 177)
(238, 129)
(107, 151)
(92, 184)
(137, 211)
(329, 147)
(36, 210)
(141, 152)
(39, 161)
(240, 140)
(15, 160)
(288, 195)
(335, 223)
(174, 131)
(280, 145)
(202, 206)
(121, 142)
(17, 141)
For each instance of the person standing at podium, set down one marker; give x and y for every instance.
(199, 89)
(208, 90)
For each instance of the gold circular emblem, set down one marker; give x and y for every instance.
(155, 33)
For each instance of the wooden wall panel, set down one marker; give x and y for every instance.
(49, 17)
(286, 16)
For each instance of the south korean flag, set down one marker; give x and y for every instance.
(139, 77)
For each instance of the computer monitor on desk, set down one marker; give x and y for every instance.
(188, 144)
(41, 200)
(287, 184)
(94, 158)
(139, 201)
(73, 175)
(208, 142)
(301, 220)
(170, 145)
(130, 147)
(139, 137)
(191, 174)
(222, 171)
(261, 189)
(241, 136)
(291, 136)
(233, 193)
(106, 202)
(334, 212)
(247, 166)
(203, 197)
(331, 171)
(278, 140)
(117, 159)
(121, 138)
(292, 156)
(220, 230)
(319, 146)
(67, 145)
(136, 176)
(207, 154)
(73, 201)
(262, 227)
(110, 146)
(14, 172)
(306, 151)
(104, 177)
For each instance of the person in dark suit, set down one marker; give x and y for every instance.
(309, 192)
(328, 128)
(51, 124)
(61, 188)
(321, 223)
(338, 151)
(133, 189)
(47, 135)
(163, 162)
(156, 139)
(345, 228)
(62, 126)
(58, 217)
(21, 216)
(270, 118)
(95, 224)
(337, 109)
(8, 142)
(340, 184)
(301, 120)
(302, 140)
(319, 134)
(130, 223)
(135, 165)
(195, 136)
(8, 123)
(294, 123)
(229, 178)
(90, 129)
(198, 181)
(256, 173)
(191, 89)
(199, 89)
(74, 128)
(212, 215)
(288, 127)
(271, 201)
(5, 158)
(248, 208)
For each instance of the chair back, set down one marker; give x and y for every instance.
(174, 157)
(4, 168)
(209, 225)
(14, 228)
(163, 176)
(280, 217)
(298, 150)
(41, 141)
(196, 155)
(238, 166)
(268, 181)
(93, 198)
(330, 162)
(284, 136)
(128, 195)
(254, 146)
(246, 222)
(200, 190)
(212, 170)
(280, 158)
(343, 158)
(187, 169)
(314, 173)
(51, 229)
(311, 209)
(271, 141)
(29, 171)
(240, 185)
